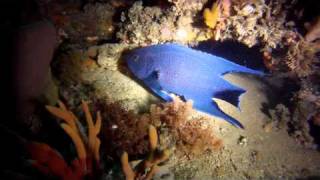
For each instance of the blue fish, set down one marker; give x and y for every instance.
(191, 74)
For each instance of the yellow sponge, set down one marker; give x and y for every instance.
(211, 15)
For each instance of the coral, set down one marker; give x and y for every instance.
(88, 26)
(304, 108)
(152, 25)
(126, 168)
(220, 10)
(49, 161)
(302, 61)
(188, 5)
(71, 66)
(302, 111)
(300, 128)
(316, 119)
(135, 28)
(298, 57)
(226, 7)
(149, 166)
(310, 94)
(313, 31)
(280, 117)
(254, 23)
(75, 130)
(302, 58)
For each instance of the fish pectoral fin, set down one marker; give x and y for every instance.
(231, 96)
(164, 95)
(152, 82)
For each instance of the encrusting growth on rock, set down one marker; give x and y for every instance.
(148, 167)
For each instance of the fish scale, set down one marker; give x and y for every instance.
(195, 75)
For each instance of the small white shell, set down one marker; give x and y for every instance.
(247, 9)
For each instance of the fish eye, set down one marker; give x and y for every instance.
(135, 58)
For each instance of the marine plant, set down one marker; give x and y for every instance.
(127, 131)
(191, 134)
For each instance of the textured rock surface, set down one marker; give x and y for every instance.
(106, 75)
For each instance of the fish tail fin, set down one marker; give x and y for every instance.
(212, 108)
(232, 96)
(232, 121)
